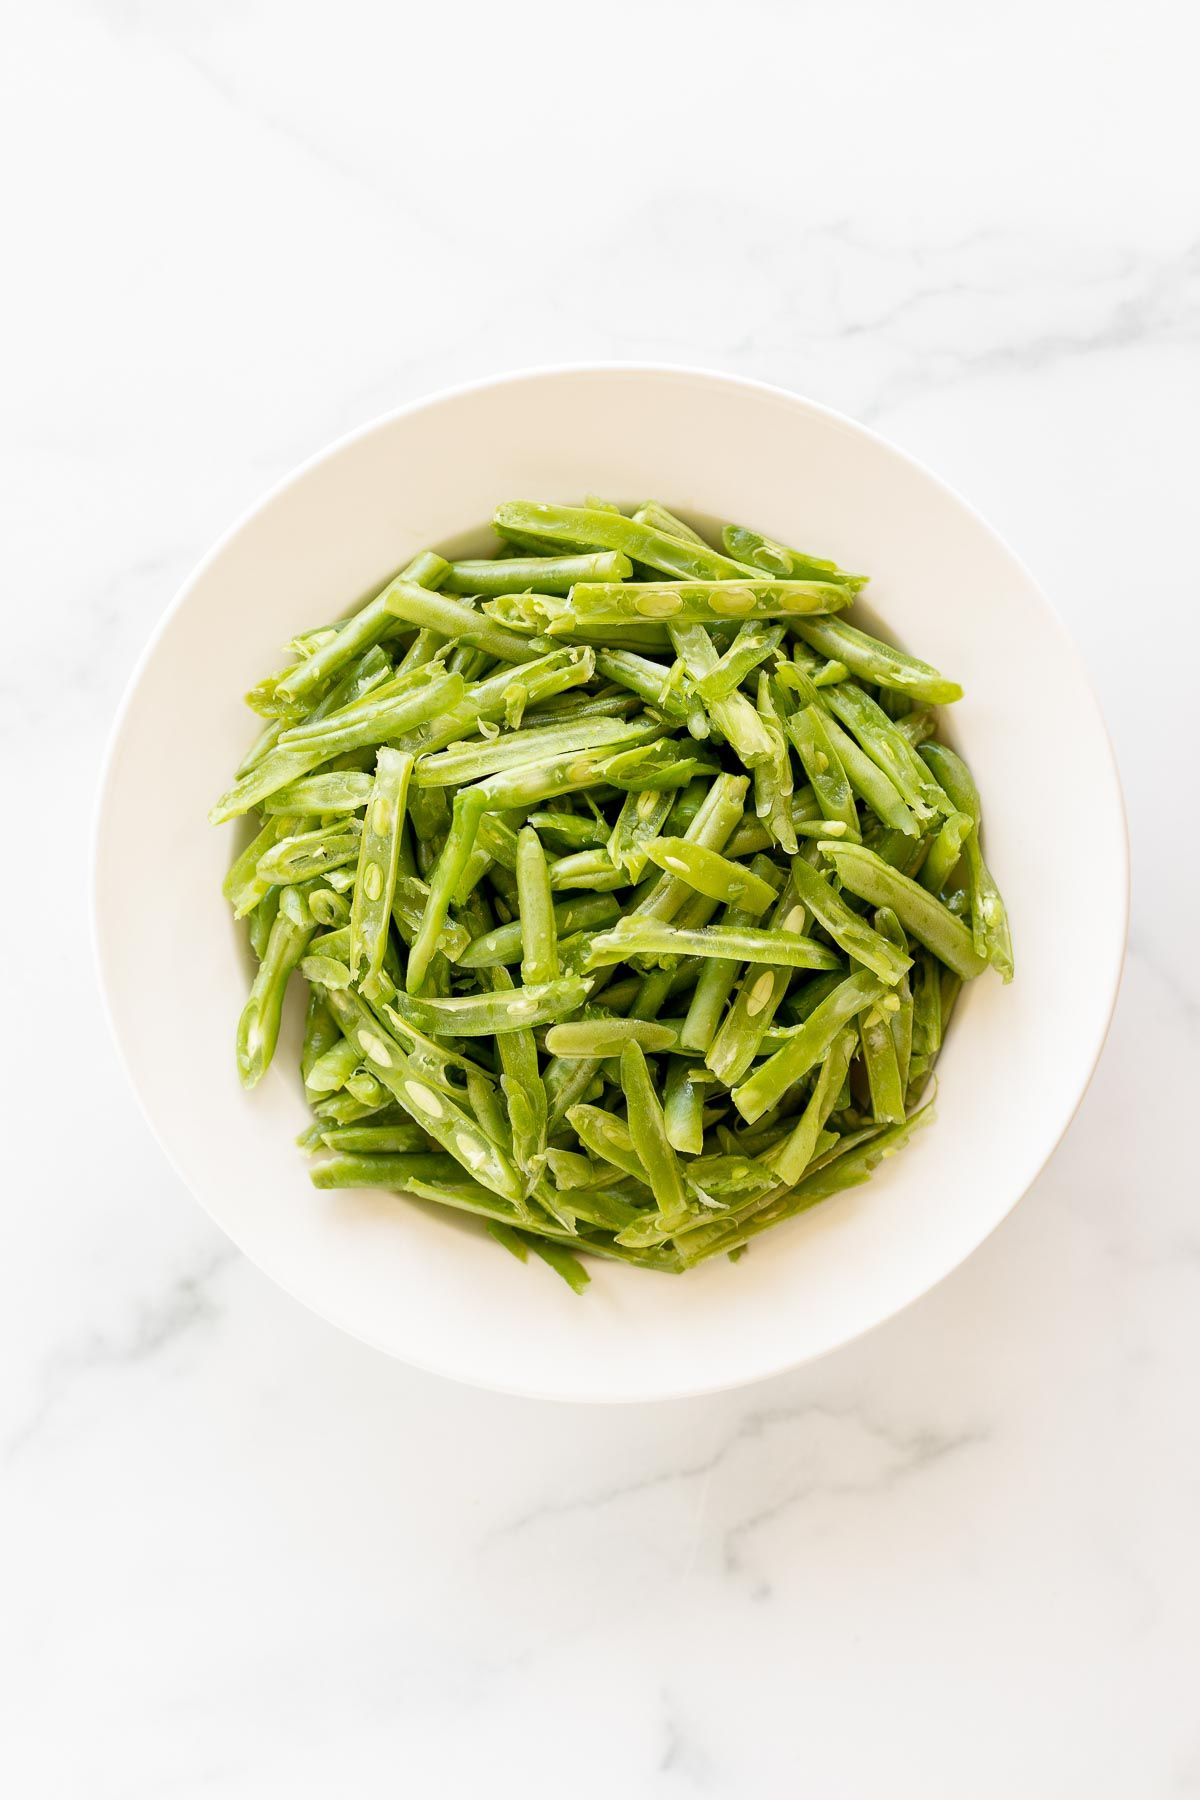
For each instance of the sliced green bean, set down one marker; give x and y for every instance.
(687, 1087)
(639, 936)
(711, 873)
(603, 1037)
(338, 791)
(539, 936)
(989, 919)
(525, 521)
(454, 619)
(921, 915)
(258, 1027)
(777, 559)
(378, 860)
(648, 1132)
(431, 694)
(543, 574)
(365, 628)
(877, 662)
(692, 602)
(791, 1157)
(773, 1078)
(505, 943)
(490, 1015)
(808, 731)
(852, 933)
(472, 762)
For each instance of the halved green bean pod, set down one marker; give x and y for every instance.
(546, 574)
(378, 860)
(774, 558)
(539, 935)
(877, 662)
(526, 521)
(774, 1077)
(711, 873)
(921, 915)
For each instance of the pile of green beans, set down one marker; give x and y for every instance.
(631, 885)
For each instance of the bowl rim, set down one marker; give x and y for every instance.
(670, 371)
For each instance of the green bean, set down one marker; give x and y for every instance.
(518, 749)
(870, 783)
(882, 1063)
(243, 886)
(603, 1037)
(648, 1133)
(774, 558)
(505, 943)
(773, 781)
(889, 926)
(545, 574)
(877, 662)
(608, 1138)
(989, 920)
(690, 602)
(846, 928)
(562, 1262)
(321, 1033)
(808, 731)
(347, 1169)
(490, 1015)
(456, 620)
(258, 1027)
(567, 1082)
(311, 853)
(490, 700)
(339, 790)
(435, 1112)
(659, 519)
(640, 936)
(711, 873)
(791, 1157)
(944, 852)
(740, 1036)
(754, 643)
(668, 764)
(887, 748)
(573, 831)
(590, 869)
(683, 1105)
(641, 818)
(643, 677)
(395, 1140)
(523, 1089)
(718, 974)
(539, 937)
(921, 915)
(365, 628)
(392, 716)
(378, 860)
(366, 1089)
(524, 521)
(733, 716)
(772, 1078)
(590, 737)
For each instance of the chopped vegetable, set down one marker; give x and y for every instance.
(631, 884)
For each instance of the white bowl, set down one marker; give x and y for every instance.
(413, 1279)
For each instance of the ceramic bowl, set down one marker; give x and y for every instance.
(419, 1282)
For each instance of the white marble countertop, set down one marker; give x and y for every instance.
(242, 1556)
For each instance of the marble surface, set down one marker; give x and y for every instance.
(241, 1556)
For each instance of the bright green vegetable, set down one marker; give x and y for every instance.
(579, 759)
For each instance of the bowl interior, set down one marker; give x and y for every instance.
(411, 1279)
